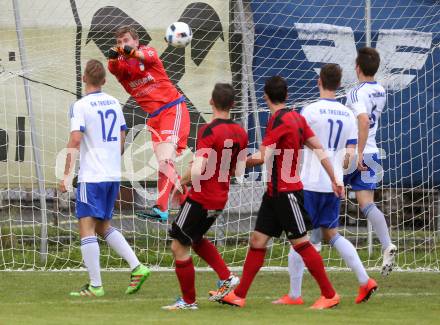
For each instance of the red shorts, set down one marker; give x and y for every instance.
(171, 125)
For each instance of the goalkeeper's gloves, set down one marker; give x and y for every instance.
(113, 53)
(130, 51)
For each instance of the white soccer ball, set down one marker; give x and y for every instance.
(178, 34)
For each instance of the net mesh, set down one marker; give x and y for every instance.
(242, 42)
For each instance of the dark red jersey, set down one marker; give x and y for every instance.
(222, 142)
(146, 81)
(286, 132)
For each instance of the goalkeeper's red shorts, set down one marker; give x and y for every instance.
(171, 125)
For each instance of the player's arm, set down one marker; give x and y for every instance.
(314, 144)
(239, 169)
(198, 165)
(195, 169)
(267, 147)
(147, 55)
(131, 52)
(312, 141)
(77, 127)
(259, 157)
(186, 177)
(350, 145)
(72, 153)
(123, 128)
(123, 136)
(350, 154)
(363, 129)
(117, 67)
(359, 102)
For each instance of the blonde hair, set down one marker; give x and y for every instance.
(95, 72)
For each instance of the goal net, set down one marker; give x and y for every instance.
(45, 45)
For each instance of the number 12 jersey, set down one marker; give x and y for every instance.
(99, 116)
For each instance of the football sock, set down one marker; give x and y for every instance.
(296, 271)
(314, 264)
(378, 222)
(116, 241)
(209, 253)
(350, 256)
(187, 276)
(90, 254)
(165, 183)
(254, 261)
(316, 236)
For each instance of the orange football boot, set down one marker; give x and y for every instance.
(366, 291)
(232, 299)
(287, 300)
(326, 303)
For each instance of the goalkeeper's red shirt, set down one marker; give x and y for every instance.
(223, 142)
(286, 131)
(146, 81)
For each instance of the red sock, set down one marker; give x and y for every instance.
(187, 276)
(165, 183)
(206, 250)
(254, 261)
(314, 264)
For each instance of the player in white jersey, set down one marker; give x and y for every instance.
(97, 129)
(367, 101)
(335, 126)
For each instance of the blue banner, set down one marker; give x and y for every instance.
(294, 41)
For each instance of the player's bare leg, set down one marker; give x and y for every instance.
(167, 180)
(166, 153)
(186, 275)
(90, 254)
(375, 216)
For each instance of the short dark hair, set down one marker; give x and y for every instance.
(368, 60)
(331, 75)
(276, 89)
(223, 96)
(122, 30)
(95, 72)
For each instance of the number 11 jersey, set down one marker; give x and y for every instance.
(335, 126)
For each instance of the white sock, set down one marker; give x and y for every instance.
(379, 224)
(350, 256)
(116, 241)
(296, 271)
(90, 254)
(316, 236)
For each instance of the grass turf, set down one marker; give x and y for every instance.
(42, 298)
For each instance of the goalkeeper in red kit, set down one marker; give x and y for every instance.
(141, 72)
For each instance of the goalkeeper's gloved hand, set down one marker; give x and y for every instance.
(130, 51)
(113, 53)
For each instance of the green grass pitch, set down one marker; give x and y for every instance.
(42, 298)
